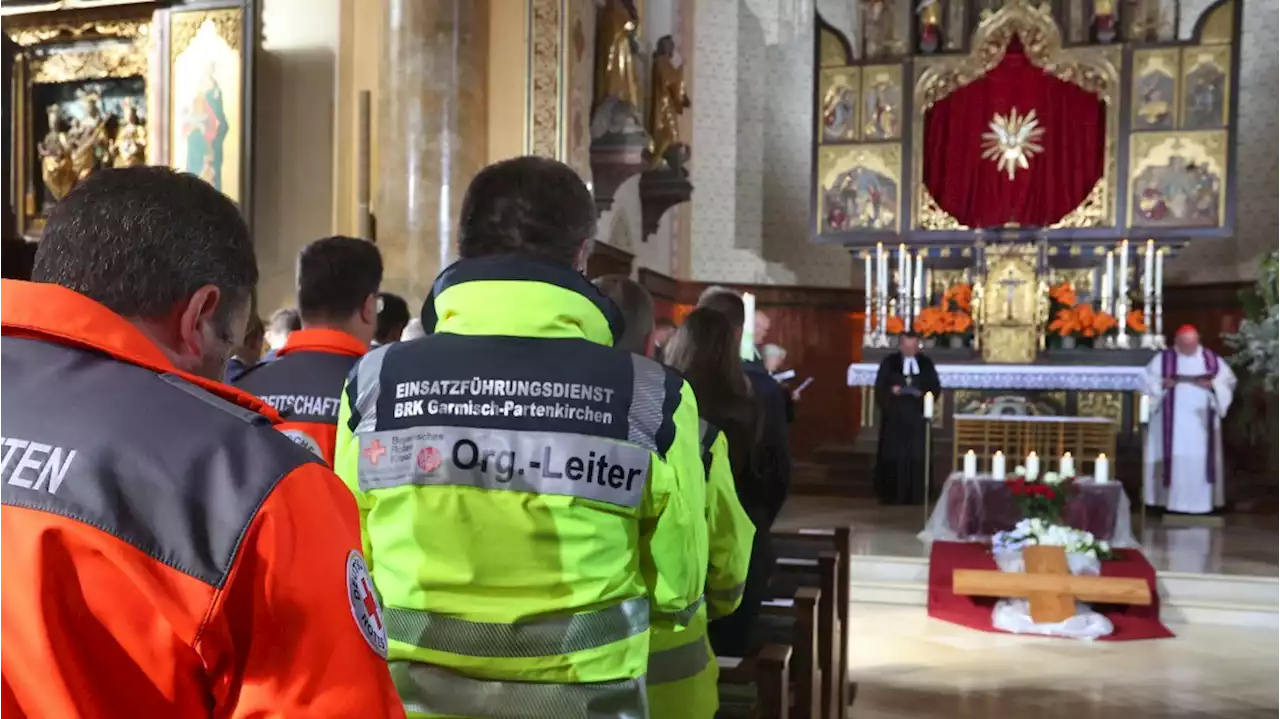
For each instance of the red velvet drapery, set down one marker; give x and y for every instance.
(971, 189)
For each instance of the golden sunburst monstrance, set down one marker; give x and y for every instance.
(1012, 141)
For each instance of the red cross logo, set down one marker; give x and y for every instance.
(375, 451)
(370, 604)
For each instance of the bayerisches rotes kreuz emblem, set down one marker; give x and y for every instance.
(364, 604)
(1012, 141)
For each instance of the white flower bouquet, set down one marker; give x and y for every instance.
(1084, 551)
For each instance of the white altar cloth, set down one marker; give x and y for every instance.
(1015, 377)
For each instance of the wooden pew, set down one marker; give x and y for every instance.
(807, 544)
(765, 674)
(821, 573)
(798, 618)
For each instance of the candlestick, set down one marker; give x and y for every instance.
(1101, 469)
(1033, 466)
(1067, 465)
(748, 348)
(867, 308)
(970, 465)
(997, 465)
(928, 405)
(1160, 297)
(1122, 294)
(1144, 409)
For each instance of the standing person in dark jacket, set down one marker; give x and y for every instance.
(774, 454)
(393, 317)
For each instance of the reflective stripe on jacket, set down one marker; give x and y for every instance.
(165, 551)
(304, 384)
(533, 499)
(682, 667)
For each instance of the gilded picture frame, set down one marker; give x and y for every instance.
(1178, 179)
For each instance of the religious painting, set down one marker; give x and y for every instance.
(859, 188)
(884, 26)
(1204, 87)
(882, 103)
(839, 112)
(957, 25)
(1153, 21)
(206, 116)
(1178, 180)
(1155, 89)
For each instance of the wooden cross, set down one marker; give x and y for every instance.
(1050, 586)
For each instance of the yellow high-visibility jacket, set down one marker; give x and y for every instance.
(682, 668)
(531, 499)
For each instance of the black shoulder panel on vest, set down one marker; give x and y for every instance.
(153, 460)
(521, 383)
(301, 386)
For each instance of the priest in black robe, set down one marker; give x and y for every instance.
(901, 383)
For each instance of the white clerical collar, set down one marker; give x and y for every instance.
(909, 365)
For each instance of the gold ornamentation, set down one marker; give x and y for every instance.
(881, 102)
(1177, 155)
(839, 112)
(933, 217)
(1011, 312)
(1013, 140)
(1108, 405)
(864, 182)
(831, 50)
(93, 63)
(38, 35)
(184, 25)
(545, 81)
(1090, 213)
(1220, 25)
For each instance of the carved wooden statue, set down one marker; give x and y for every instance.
(616, 54)
(667, 99)
(55, 158)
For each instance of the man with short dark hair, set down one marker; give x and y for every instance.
(248, 352)
(280, 325)
(902, 381)
(204, 564)
(393, 317)
(637, 310)
(338, 280)
(533, 498)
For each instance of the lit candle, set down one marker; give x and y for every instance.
(919, 277)
(904, 289)
(1033, 465)
(867, 309)
(1159, 328)
(1122, 290)
(1109, 283)
(1101, 469)
(1144, 409)
(997, 465)
(882, 286)
(748, 349)
(1148, 274)
(928, 405)
(970, 465)
(1067, 465)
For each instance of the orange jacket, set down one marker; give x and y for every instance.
(165, 552)
(304, 383)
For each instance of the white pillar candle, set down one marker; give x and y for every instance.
(1159, 328)
(748, 348)
(904, 289)
(997, 465)
(1122, 289)
(1067, 465)
(970, 465)
(902, 277)
(867, 308)
(1144, 409)
(1148, 272)
(1101, 469)
(882, 282)
(1033, 466)
(928, 405)
(919, 276)
(1108, 283)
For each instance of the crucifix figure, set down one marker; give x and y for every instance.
(1010, 284)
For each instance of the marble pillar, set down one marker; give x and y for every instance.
(432, 134)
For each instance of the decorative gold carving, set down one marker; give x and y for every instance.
(831, 49)
(184, 26)
(1218, 29)
(1012, 141)
(94, 63)
(1011, 312)
(1109, 405)
(1090, 213)
(1036, 28)
(65, 31)
(933, 217)
(545, 80)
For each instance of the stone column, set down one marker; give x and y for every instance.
(431, 130)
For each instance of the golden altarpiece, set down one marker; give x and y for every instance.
(972, 204)
(91, 84)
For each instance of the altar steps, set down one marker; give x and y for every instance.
(1185, 598)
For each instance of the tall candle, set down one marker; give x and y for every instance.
(928, 405)
(904, 288)
(748, 348)
(1159, 328)
(970, 465)
(919, 288)
(1033, 465)
(997, 465)
(1149, 270)
(1101, 469)
(1108, 283)
(882, 285)
(1067, 465)
(1122, 288)
(867, 308)
(1144, 409)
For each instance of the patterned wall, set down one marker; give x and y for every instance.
(752, 85)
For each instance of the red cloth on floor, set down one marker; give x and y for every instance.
(1131, 622)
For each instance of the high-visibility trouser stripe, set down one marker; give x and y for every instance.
(684, 615)
(538, 638)
(679, 663)
(426, 689)
(726, 596)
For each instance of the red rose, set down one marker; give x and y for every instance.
(1048, 493)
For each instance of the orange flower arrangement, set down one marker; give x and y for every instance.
(1081, 320)
(934, 321)
(1134, 321)
(961, 296)
(894, 325)
(1064, 294)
